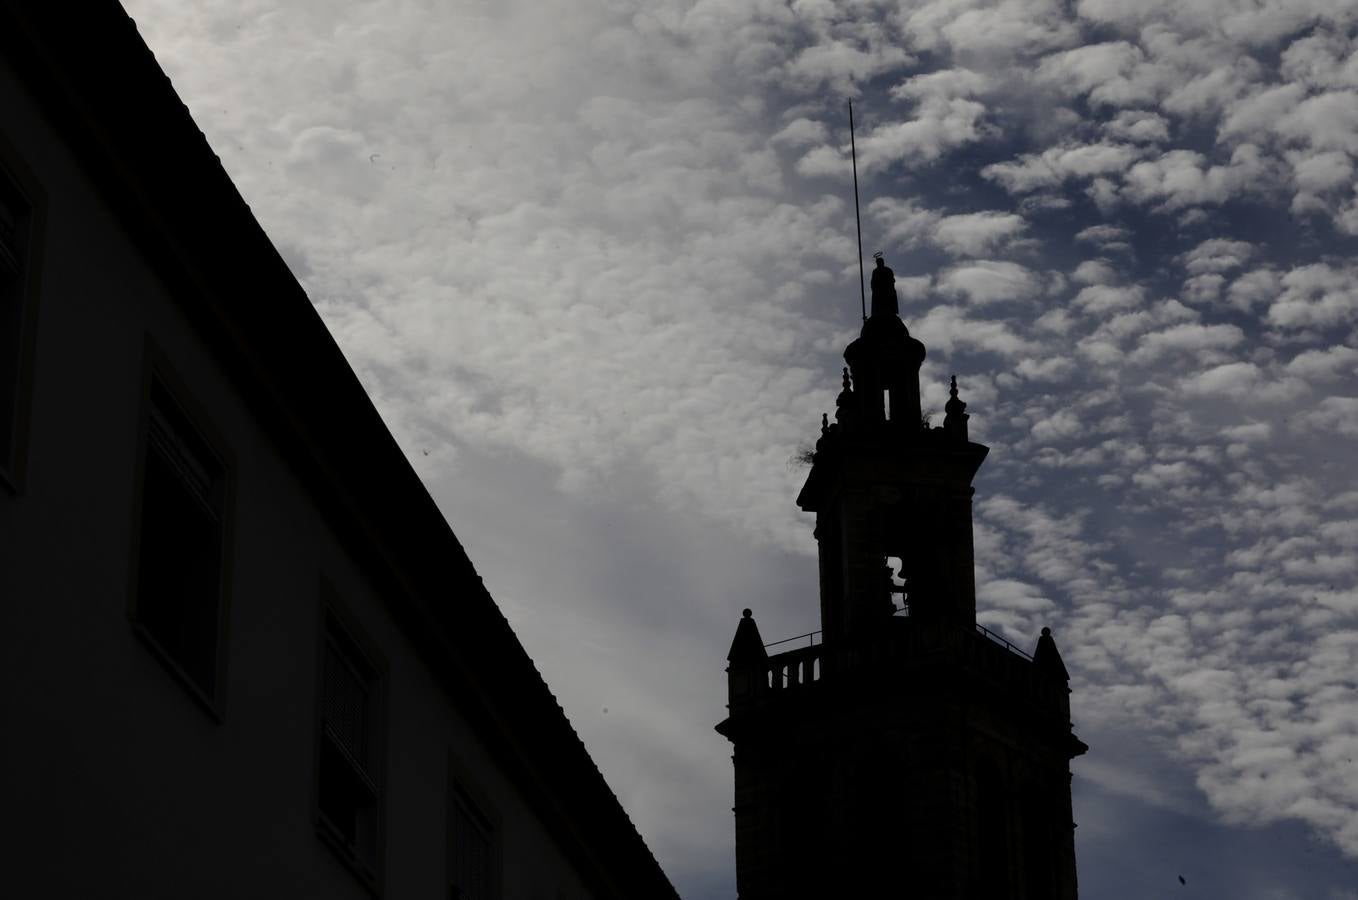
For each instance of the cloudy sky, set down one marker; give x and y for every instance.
(594, 261)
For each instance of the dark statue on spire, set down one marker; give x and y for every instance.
(885, 360)
(909, 751)
(884, 302)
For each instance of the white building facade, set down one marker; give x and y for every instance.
(243, 653)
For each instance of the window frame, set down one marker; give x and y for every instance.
(334, 613)
(463, 791)
(19, 178)
(156, 369)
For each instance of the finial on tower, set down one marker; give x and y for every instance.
(955, 422)
(844, 402)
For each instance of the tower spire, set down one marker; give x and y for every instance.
(885, 359)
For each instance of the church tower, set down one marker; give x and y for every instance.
(910, 752)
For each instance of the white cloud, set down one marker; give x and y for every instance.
(1200, 340)
(1056, 165)
(1181, 178)
(1217, 255)
(1101, 299)
(1329, 364)
(946, 116)
(1335, 415)
(838, 64)
(1316, 295)
(1321, 172)
(1324, 122)
(1252, 117)
(1060, 425)
(999, 30)
(801, 132)
(950, 330)
(1249, 433)
(1254, 289)
(1106, 235)
(1053, 368)
(1094, 271)
(1323, 59)
(960, 234)
(976, 234)
(1240, 381)
(1138, 126)
(983, 282)
(1010, 594)
(1158, 476)
(1110, 74)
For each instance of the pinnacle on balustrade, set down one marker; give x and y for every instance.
(747, 648)
(1048, 658)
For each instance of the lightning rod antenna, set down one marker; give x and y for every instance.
(858, 217)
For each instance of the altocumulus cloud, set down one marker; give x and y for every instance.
(612, 241)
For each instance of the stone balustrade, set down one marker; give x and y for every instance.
(906, 646)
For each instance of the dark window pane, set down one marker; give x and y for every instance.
(338, 800)
(344, 705)
(13, 222)
(993, 816)
(179, 565)
(348, 796)
(473, 853)
(347, 800)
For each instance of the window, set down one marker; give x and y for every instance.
(473, 847)
(350, 749)
(20, 213)
(992, 819)
(178, 603)
(896, 587)
(1041, 852)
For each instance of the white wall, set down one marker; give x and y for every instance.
(115, 782)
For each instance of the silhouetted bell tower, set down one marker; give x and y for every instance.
(909, 753)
